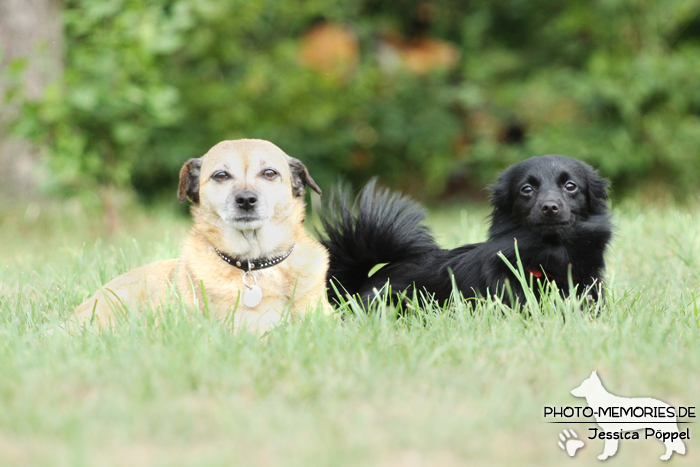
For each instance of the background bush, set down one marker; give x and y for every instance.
(148, 84)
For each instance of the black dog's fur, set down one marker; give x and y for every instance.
(553, 206)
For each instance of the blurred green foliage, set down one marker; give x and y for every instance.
(150, 83)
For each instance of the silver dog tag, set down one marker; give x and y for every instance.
(252, 296)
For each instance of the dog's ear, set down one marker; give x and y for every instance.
(301, 177)
(500, 191)
(597, 193)
(189, 181)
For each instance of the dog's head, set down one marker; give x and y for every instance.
(246, 183)
(590, 386)
(549, 193)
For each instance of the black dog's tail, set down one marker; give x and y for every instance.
(378, 226)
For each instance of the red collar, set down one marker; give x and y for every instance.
(537, 274)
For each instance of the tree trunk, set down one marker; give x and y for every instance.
(30, 30)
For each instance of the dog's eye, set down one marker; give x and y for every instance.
(526, 189)
(270, 174)
(220, 176)
(570, 186)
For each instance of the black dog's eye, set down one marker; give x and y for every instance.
(526, 189)
(570, 186)
(270, 174)
(220, 176)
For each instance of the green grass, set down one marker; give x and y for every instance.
(466, 387)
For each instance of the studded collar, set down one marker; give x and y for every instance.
(260, 263)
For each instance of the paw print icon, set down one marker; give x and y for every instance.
(569, 442)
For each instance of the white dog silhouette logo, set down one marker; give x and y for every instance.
(617, 415)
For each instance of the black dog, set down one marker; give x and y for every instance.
(552, 207)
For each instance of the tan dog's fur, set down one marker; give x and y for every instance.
(297, 284)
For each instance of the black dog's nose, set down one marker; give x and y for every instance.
(246, 200)
(550, 208)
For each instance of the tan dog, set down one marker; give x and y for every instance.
(248, 212)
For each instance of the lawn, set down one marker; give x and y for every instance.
(462, 387)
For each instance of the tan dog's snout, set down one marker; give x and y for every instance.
(246, 200)
(248, 207)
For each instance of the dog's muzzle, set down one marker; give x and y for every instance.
(246, 200)
(550, 209)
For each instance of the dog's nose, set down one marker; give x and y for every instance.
(246, 200)
(550, 208)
